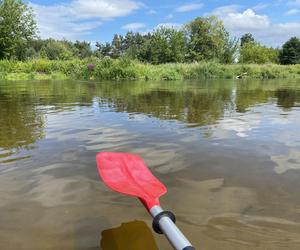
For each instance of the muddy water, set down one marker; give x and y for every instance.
(229, 153)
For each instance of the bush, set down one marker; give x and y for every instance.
(130, 69)
(253, 52)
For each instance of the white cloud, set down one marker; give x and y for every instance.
(260, 6)
(295, 2)
(227, 9)
(151, 12)
(87, 26)
(189, 7)
(247, 20)
(292, 12)
(170, 16)
(168, 25)
(176, 26)
(133, 26)
(80, 17)
(240, 22)
(103, 8)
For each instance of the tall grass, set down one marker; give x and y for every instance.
(128, 69)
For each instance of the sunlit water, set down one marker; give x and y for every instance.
(228, 152)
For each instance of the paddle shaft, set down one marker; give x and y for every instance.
(171, 231)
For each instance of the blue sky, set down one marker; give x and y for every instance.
(271, 22)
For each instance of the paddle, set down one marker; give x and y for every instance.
(128, 174)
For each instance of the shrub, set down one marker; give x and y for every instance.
(130, 69)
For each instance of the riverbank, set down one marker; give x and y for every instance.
(109, 69)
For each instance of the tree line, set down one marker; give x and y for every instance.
(202, 39)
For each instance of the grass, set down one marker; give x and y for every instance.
(110, 69)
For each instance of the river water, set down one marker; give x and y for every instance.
(228, 152)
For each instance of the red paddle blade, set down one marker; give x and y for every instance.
(128, 174)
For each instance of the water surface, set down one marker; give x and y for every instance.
(228, 151)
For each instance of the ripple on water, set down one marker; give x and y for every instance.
(50, 191)
(255, 231)
(5, 153)
(222, 212)
(11, 156)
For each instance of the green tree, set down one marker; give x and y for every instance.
(57, 50)
(247, 38)
(164, 45)
(17, 27)
(117, 46)
(206, 38)
(254, 52)
(230, 50)
(133, 44)
(103, 50)
(290, 53)
(83, 49)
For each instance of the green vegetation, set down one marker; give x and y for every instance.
(17, 27)
(200, 49)
(107, 68)
(207, 40)
(247, 38)
(290, 53)
(253, 52)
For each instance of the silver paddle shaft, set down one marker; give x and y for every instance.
(171, 231)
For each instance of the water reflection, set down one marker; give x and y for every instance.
(135, 235)
(21, 124)
(227, 150)
(24, 106)
(287, 98)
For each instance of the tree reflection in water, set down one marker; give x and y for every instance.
(24, 105)
(21, 124)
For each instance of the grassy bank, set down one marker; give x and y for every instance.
(107, 68)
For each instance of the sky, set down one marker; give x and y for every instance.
(271, 22)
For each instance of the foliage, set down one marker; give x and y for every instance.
(17, 27)
(57, 50)
(82, 49)
(247, 38)
(230, 50)
(133, 44)
(103, 50)
(206, 38)
(164, 45)
(124, 68)
(253, 52)
(290, 53)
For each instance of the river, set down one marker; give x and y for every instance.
(228, 152)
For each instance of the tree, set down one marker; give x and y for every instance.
(133, 44)
(117, 46)
(103, 50)
(206, 38)
(57, 50)
(247, 38)
(17, 27)
(230, 50)
(164, 45)
(254, 52)
(290, 53)
(83, 49)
